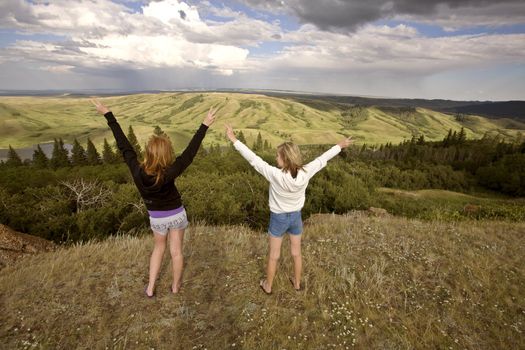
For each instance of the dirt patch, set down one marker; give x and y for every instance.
(14, 245)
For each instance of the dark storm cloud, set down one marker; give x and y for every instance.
(348, 15)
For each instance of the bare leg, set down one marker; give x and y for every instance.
(273, 258)
(155, 261)
(295, 248)
(176, 239)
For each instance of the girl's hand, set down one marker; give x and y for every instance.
(230, 133)
(210, 118)
(346, 142)
(100, 107)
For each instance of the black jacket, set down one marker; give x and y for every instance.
(164, 195)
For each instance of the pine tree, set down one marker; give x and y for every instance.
(13, 159)
(447, 139)
(134, 142)
(78, 154)
(64, 153)
(40, 159)
(421, 140)
(454, 138)
(92, 155)
(59, 157)
(241, 137)
(266, 145)
(462, 136)
(108, 156)
(158, 131)
(258, 144)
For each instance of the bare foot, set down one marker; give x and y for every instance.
(264, 286)
(296, 286)
(175, 288)
(150, 291)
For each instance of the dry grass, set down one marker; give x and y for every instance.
(384, 283)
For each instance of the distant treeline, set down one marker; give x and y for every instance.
(88, 195)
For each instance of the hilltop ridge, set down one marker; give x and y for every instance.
(370, 283)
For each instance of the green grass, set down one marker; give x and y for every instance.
(25, 121)
(371, 283)
(434, 204)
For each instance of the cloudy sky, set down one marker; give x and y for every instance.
(454, 49)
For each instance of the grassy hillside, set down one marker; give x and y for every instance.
(449, 205)
(371, 283)
(25, 121)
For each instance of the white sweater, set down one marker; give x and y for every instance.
(286, 193)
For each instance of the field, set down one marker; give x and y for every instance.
(431, 204)
(371, 283)
(428, 275)
(25, 121)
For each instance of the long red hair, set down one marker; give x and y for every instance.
(158, 156)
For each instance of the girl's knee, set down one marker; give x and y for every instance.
(296, 253)
(160, 244)
(176, 253)
(275, 255)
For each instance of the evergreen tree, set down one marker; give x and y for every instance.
(40, 159)
(454, 138)
(78, 154)
(158, 131)
(108, 156)
(462, 136)
(266, 145)
(13, 159)
(134, 141)
(421, 140)
(258, 144)
(64, 153)
(447, 139)
(241, 137)
(59, 157)
(92, 155)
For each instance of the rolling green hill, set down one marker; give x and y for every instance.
(25, 121)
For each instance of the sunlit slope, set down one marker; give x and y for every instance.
(369, 283)
(25, 121)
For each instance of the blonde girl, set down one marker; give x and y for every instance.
(288, 182)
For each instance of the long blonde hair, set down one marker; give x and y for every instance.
(157, 156)
(291, 157)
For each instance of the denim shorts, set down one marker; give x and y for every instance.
(176, 221)
(285, 222)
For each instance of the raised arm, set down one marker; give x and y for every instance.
(186, 157)
(320, 162)
(129, 154)
(255, 161)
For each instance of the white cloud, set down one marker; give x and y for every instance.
(171, 11)
(109, 40)
(399, 49)
(58, 68)
(169, 33)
